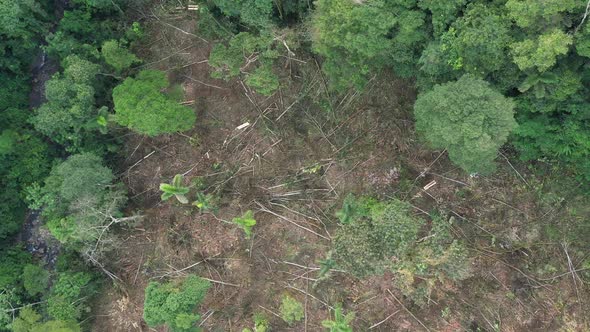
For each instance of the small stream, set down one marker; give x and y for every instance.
(37, 240)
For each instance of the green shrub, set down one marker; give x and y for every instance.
(354, 208)
(291, 310)
(341, 322)
(363, 245)
(141, 106)
(173, 303)
(263, 80)
(386, 239)
(246, 222)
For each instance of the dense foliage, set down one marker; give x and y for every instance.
(382, 237)
(38, 129)
(140, 106)
(535, 52)
(173, 304)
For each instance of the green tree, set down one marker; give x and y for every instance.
(356, 38)
(27, 319)
(117, 56)
(69, 113)
(35, 279)
(531, 14)
(468, 118)
(20, 22)
(443, 13)
(141, 106)
(69, 296)
(477, 42)
(80, 203)
(255, 13)
(541, 53)
(173, 303)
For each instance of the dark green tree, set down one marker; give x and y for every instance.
(35, 279)
(69, 114)
(357, 38)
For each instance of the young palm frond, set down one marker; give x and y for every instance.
(175, 189)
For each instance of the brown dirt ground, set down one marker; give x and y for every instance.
(367, 145)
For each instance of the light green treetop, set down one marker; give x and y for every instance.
(141, 106)
(468, 118)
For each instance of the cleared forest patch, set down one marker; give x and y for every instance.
(292, 158)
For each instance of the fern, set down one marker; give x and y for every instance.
(341, 321)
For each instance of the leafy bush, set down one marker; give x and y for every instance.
(261, 324)
(35, 279)
(355, 208)
(364, 245)
(263, 80)
(386, 239)
(241, 53)
(291, 310)
(173, 303)
(141, 106)
(468, 118)
(205, 202)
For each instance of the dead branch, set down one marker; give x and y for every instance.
(383, 321)
(179, 29)
(264, 209)
(313, 297)
(201, 82)
(584, 17)
(408, 311)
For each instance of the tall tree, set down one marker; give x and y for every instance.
(468, 118)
